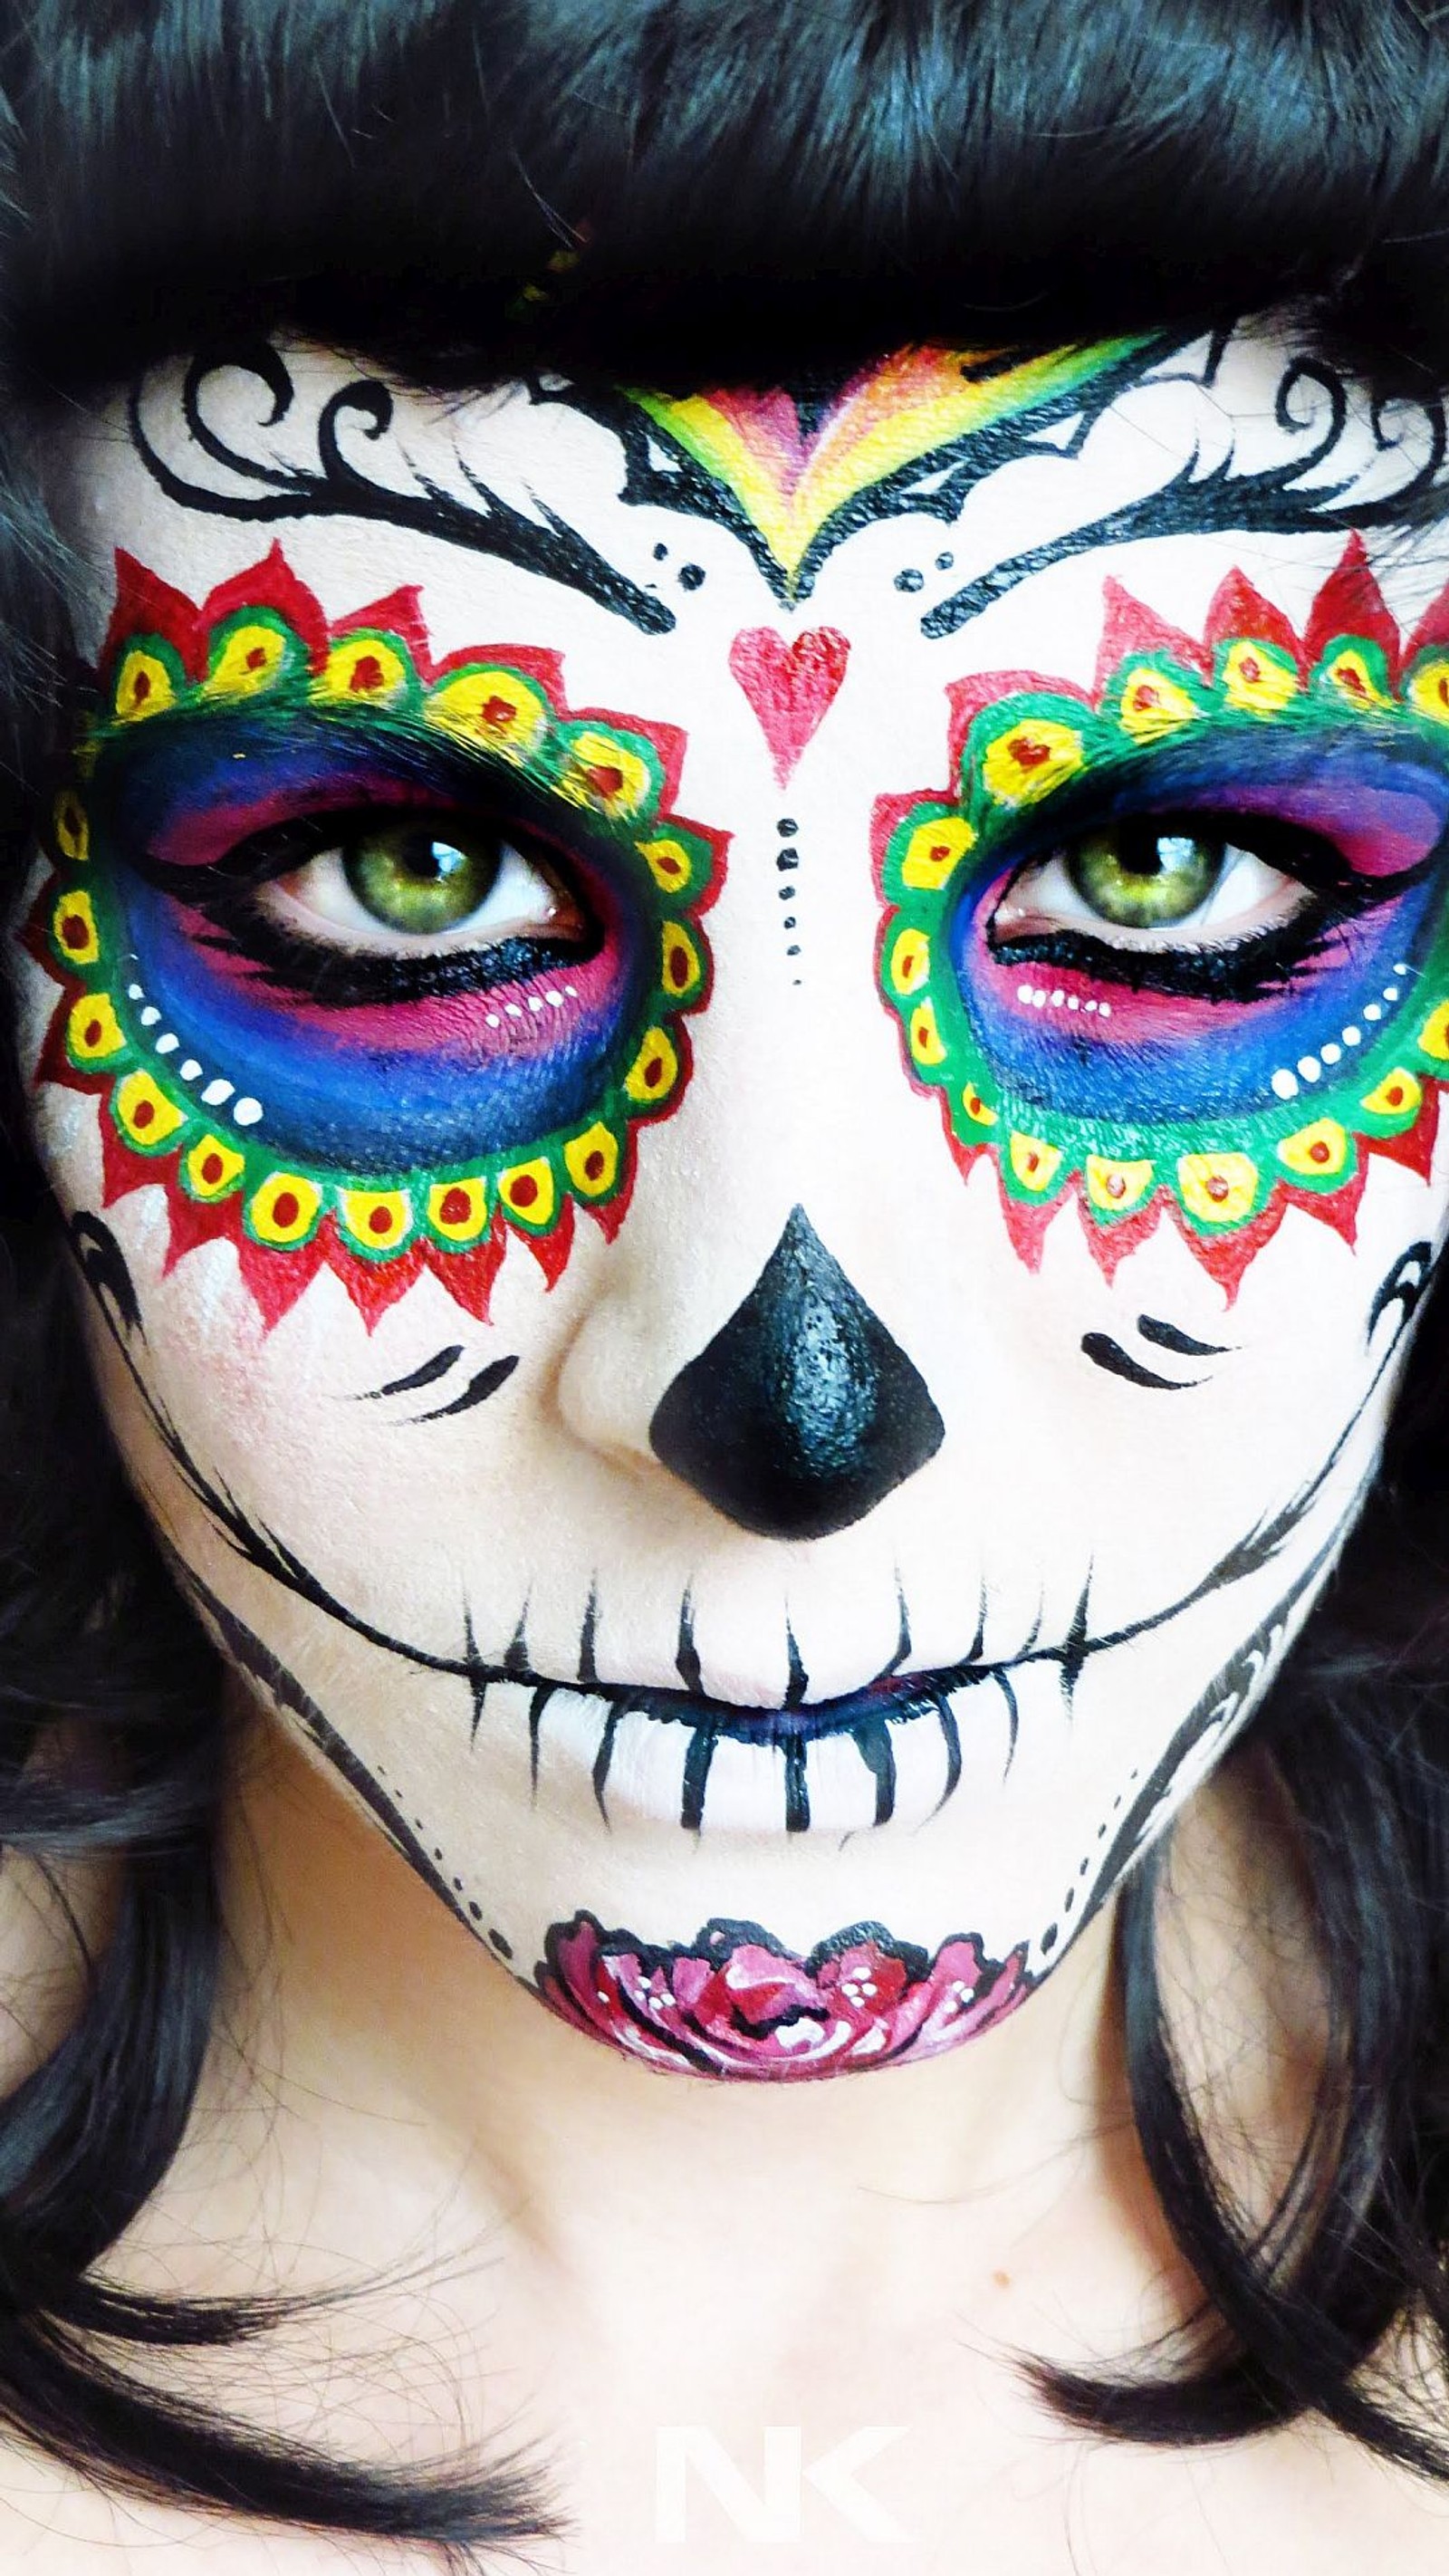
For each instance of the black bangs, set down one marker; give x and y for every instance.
(676, 187)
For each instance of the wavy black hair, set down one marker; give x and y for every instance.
(677, 191)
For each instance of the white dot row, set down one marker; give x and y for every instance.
(536, 1002)
(1287, 1082)
(1037, 998)
(214, 1094)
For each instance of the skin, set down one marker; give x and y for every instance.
(396, 1576)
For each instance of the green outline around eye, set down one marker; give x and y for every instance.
(220, 1179)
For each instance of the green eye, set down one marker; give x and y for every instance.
(409, 878)
(1140, 877)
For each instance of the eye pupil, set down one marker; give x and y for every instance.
(411, 878)
(1139, 874)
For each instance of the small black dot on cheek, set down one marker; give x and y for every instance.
(1049, 1939)
(910, 579)
(792, 952)
(788, 859)
(789, 921)
(503, 1948)
(787, 827)
(475, 1909)
(660, 551)
(786, 893)
(690, 576)
(944, 562)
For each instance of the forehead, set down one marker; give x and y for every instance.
(947, 511)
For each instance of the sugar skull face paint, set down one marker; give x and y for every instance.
(1004, 800)
(1216, 978)
(318, 949)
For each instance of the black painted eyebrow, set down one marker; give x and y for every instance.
(334, 487)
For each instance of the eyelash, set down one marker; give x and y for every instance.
(333, 975)
(1247, 969)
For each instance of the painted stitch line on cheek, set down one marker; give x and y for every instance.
(1218, 1078)
(398, 1094)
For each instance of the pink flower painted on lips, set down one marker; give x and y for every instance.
(735, 2002)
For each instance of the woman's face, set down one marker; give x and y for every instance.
(749, 1089)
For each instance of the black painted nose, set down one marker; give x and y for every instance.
(802, 1413)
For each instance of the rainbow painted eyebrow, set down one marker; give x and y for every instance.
(377, 1135)
(1098, 1078)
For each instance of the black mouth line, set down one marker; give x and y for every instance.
(890, 1699)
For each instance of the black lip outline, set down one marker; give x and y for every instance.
(894, 1697)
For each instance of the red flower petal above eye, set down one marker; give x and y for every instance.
(1351, 603)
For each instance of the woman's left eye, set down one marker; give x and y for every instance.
(388, 887)
(1149, 882)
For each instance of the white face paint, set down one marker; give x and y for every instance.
(749, 1090)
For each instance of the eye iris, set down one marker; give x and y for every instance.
(1140, 879)
(411, 880)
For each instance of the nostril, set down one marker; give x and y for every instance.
(803, 1412)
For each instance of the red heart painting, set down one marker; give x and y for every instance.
(790, 686)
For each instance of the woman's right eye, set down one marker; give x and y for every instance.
(395, 886)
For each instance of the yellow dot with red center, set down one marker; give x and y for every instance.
(592, 1161)
(1154, 704)
(1114, 1186)
(362, 670)
(603, 772)
(211, 1168)
(1218, 1189)
(669, 863)
(1399, 1096)
(979, 1111)
(1321, 1152)
(1350, 674)
(378, 1220)
(93, 1034)
(458, 1210)
(73, 928)
(71, 826)
(679, 962)
(1429, 689)
(492, 707)
(144, 686)
(247, 660)
(655, 1070)
(910, 960)
(934, 851)
(1027, 762)
(529, 1191)
(927, 1046)
(1257, 680)
(284, 1209)
(1034, 1163)
(144, 1114)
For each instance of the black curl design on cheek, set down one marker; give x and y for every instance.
(104, 1268)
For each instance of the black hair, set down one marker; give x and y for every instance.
(677, 190)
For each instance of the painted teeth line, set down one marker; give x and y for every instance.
(710, 1771)
(216, 1093)
(1287, 1082)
